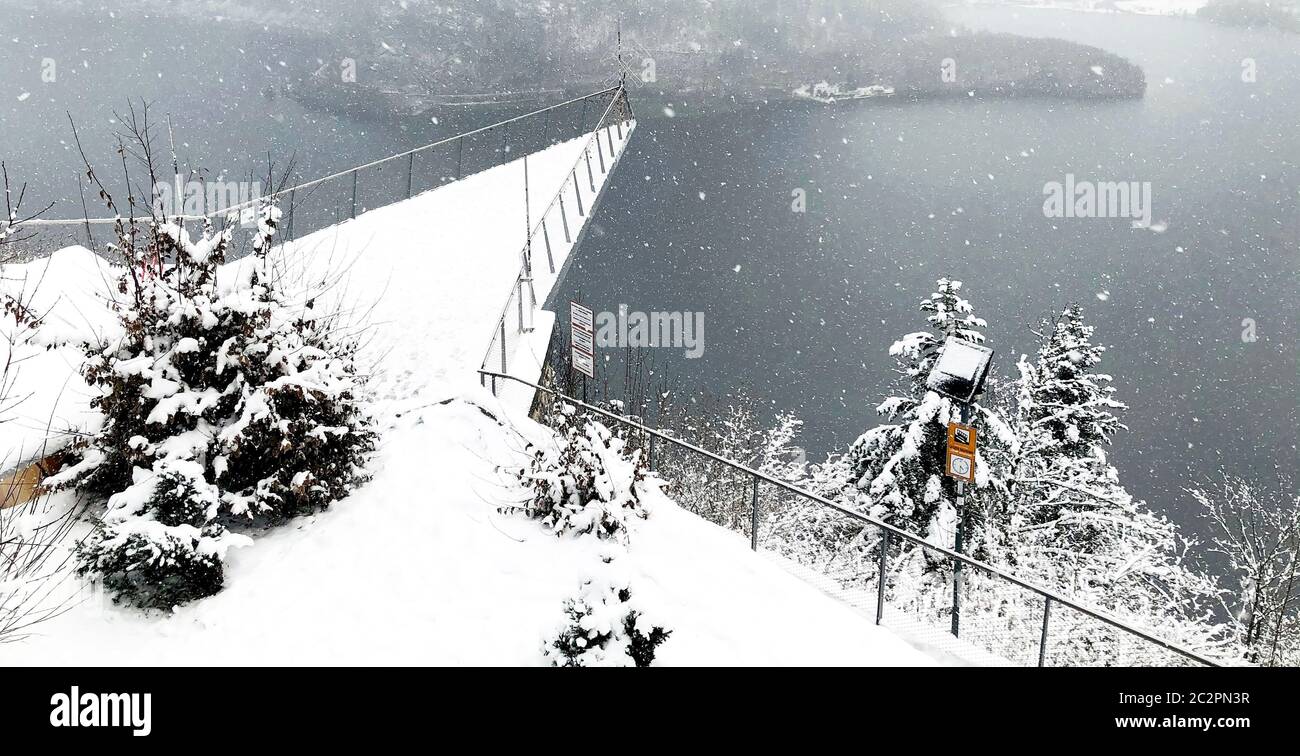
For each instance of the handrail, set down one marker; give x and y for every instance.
(316, 182)
(892, 529)
(526, 263)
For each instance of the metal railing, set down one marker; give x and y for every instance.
(1063, 630)
(325, 201)
(602, 151)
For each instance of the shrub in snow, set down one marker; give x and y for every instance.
(605, 627)
(585, 482)
(223, 402)
(158, 545)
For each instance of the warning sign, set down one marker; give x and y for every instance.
(961, 452)
(582, 340)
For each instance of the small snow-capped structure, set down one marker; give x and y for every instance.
(961, 369)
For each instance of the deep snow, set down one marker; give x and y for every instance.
(418, 566)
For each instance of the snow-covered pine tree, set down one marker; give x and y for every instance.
(223, 403)
(1069, 499)
(1074, 525)
(896, 471)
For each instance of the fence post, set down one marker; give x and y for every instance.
(460, 154)
(753, 517)
(1042, 642)
(519, 294)
(880, 578)
(504, 370)
(956, 583)
(290, 219)
(546, 237)
(354, 194)
(410, 172)
(650, 455)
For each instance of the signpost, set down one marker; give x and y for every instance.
(961, 452)
(582, 343)
(959, 374)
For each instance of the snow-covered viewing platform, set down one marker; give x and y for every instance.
(419, 566)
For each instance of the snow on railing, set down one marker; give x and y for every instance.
(350, 202)
(1019, 623)
(517, 314)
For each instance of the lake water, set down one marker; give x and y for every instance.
(800, 309)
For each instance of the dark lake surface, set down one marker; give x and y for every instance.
(800, 309)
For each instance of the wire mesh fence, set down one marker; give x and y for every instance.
(955, 607)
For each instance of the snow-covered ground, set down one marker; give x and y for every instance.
(418, 566)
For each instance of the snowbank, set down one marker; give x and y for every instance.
(419, 568)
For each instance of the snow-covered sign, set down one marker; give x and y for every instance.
(961, 452)
(960, 371)
(582, 339)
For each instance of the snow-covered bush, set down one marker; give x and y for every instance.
(605, 626)
(227, 401)
(584, 481)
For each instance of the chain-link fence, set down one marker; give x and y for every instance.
(956, 608)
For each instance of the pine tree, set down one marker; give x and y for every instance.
(1066, 416)
(896, 471)
(1075, 526)
(222, 405)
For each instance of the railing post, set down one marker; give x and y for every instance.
(410, 173)
(1042, 641)
(956, 583)
(460, 154)
(568, 239)
(546, 237)
(354, 194)
(519, 294)
(504, 367)
(650, 455)
(610, 137)
(600, 153)
(577, 192)
(591, 179)
(753, 517)
(880, 578)
(289, 224)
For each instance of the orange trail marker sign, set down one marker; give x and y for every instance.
(961, 452)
